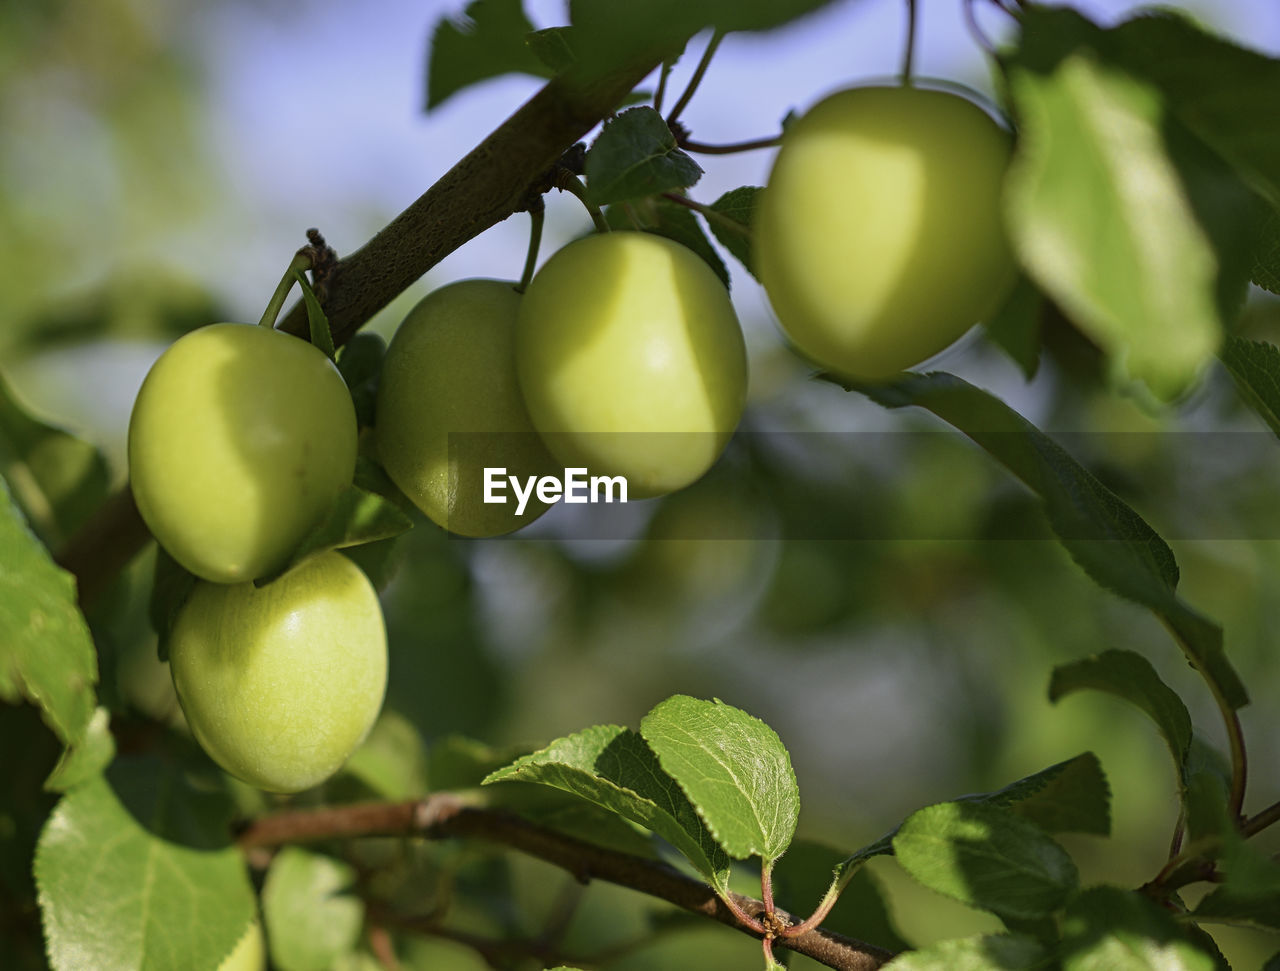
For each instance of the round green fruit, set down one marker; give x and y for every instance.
(631, 360)
(879, 237)
(449, 406)
(280, 683)
(240, 440)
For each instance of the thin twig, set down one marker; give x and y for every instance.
(694, 81)
(704, 149)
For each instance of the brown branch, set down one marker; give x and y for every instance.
(445, 816)
(484, 188)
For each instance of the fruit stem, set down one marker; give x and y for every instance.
(711, 215)
(301, 261)
(731, 148)
(698, 72)
(537, 216)
(661, 92)
(909, 52)
(573, 184)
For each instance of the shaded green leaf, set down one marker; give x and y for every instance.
(1131, 677)
(1250, 889)
(576, 816)
(57, 479)
(1110, 542)
(317, 322)
(635, 155)
(1069, 797)
(1221, 91)
(171, 585)
(1266, 256)
(1100, 218)
(1109, 929)
(458, 762)
(987, 857)
(677, 223)
(46, 653)
(614, 767)
(989, 952)
(1255, 368)
(553, 47)
(738, 205)
(392, 761)
(1015, 327)
(87, 758)
(368, 510)
(487, 41)
(311, 918)
(804, 874)
(136, 872)
(734, 769)
(360, 364)
(1206, 793)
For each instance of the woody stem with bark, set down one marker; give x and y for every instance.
(448, 816)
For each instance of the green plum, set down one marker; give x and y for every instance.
(631, 360)
(240, 440)
(280, 683)
(878, 237)
(449, 406)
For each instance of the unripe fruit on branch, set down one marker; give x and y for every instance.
(879, 237)
(240, 440)
(631, 360)
(449, 406)
(280, 683)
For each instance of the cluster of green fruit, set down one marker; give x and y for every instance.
(878, 240)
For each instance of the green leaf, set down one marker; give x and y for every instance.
(1266, 256)
(1109, 929)
(46, 653)
(57, 479)
(311, 919)
(987, 857)
(1131, 677)
(87, 758)
(1255, 368)
(804, 874)
(1207, 792)
(1100, 219)
(392, 761)
(613, 767)
(457, 762)
(1015, 327)
(739, 205)
(674, 221)
(1069, 797)
(989, 952)
(487, 41)
(575, 816)
(1273, 963)
(1222, 92)
(635, 155)
(362, 513)
(553, 47)
(136, 872)
(321, 335)
(1110, 542)
(360, 364)
(171, 585)
(734, 769)
(1250, 890)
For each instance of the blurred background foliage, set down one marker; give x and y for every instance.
(866, 582)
